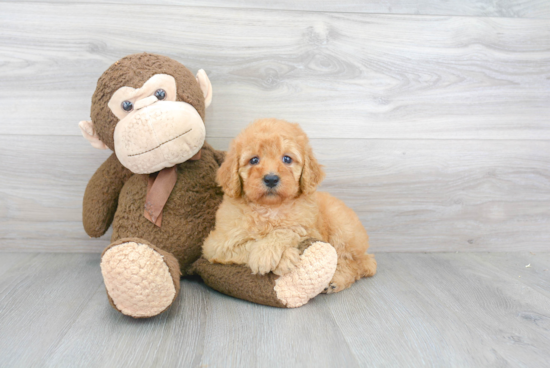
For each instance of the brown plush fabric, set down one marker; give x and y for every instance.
(101, 196)
(306, 243)
(169, 259)
(239, 282)
(188, 216)
(133, 71)
(116, 195)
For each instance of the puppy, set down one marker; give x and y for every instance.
(270, 205)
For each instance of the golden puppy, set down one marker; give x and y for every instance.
(270, 205)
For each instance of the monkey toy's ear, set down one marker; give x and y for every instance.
(206, 87)
(88, 131)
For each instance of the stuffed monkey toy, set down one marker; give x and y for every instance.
(158, 190)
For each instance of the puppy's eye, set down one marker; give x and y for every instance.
(127, 105)
(254, 161)
(287, 159)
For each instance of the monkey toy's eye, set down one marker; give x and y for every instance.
(127, 106)
(287, 159)
(254, 161)
(160, 94)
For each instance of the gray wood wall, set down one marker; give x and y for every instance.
(432, 117)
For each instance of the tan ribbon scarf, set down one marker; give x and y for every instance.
(159, 187)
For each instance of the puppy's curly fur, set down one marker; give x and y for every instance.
(260, 223)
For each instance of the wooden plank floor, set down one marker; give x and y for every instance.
(438, 309)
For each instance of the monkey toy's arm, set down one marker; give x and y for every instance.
(101, 196)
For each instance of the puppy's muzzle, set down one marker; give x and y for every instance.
(271, 181)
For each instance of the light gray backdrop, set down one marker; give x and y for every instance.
(432, 118)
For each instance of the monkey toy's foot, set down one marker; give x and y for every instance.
(141, 280)
(314, 272)
(294, 289)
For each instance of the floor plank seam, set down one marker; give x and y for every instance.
(164, 325)
(512, 278)
(355, 358)
(84, 304)
(27, 259)
(6, 293)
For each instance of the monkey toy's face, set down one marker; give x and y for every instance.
(149, 121)
(155, 130)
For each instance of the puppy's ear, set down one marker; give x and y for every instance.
(312, 173)
(228, 174)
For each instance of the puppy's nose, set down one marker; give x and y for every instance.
(271, 181)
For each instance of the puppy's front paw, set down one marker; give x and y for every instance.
(339, 282)
(331, 288)
(289, 260)
(263, 260)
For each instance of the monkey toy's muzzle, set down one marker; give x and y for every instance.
(158, 134)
